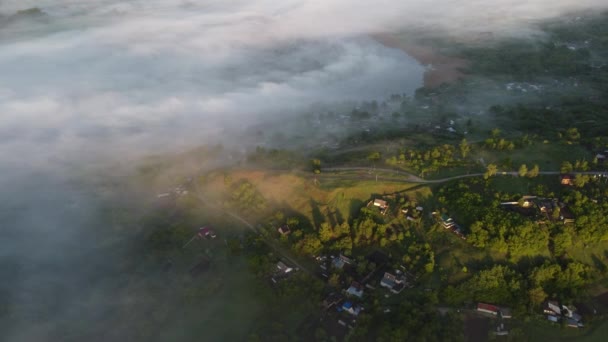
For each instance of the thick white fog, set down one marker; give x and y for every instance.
(146, 75)
(122, 76)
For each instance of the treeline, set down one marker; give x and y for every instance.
(490, 226)
(476, 205)
(543, 256)
(426, 160)
(414, 318)
(522, 289)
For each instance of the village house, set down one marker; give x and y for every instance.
(447, 221)
(284, 230)
(355, 289)
(206, 232)
(488, 308)
(571, 313)
(351, 308)
(555, 312)
(552, 308)
(380, 203)
(341, 260)
(283, 268)
(395, 283)
(567, 180)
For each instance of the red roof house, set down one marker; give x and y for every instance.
(488, 308)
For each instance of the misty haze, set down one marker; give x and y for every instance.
(303, 170)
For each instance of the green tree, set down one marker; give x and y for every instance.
(495, 133)
(556, 213)
(523, 170)
(326, 233)
(500, 285)
(316, 165)
(342, 229)
(537, 296)
(572, 134)
(562, 241)
(491, 170)
(465, 148)
(581, 180)
(310, 245)
(293, 222)
(374, 156)
(566, 167)
(533, 172)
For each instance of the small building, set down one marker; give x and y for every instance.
(206, 232)
(395, 283)
(380, 203)
(355, 289)
(341, 260)
(283, 268)
(567, 180)
(284, 230)
(447, 221)
(488, 308)
(505, 312)
(552, 308)
(351, 308)
(570, 312)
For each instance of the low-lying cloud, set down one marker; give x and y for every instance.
(130, 74)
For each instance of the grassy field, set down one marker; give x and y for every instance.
(311, 194)
(547, 156)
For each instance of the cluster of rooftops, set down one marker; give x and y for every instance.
(348, 300)
(556, 313)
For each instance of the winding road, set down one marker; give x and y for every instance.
(411, 178)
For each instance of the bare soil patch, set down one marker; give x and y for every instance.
(441, 68)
